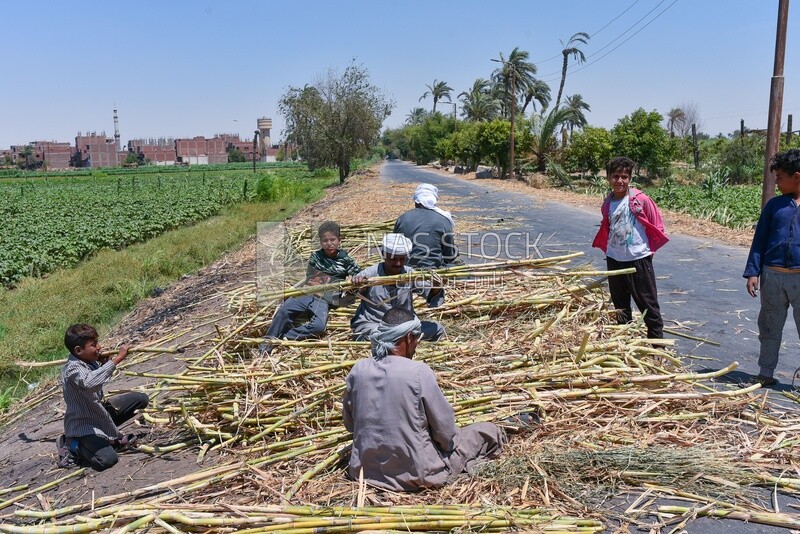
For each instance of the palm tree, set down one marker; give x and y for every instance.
(479, 104)
(438, 90)
(538, 91)
(571, 49)
(516, 69)
(416, 116)
(545, 130)
(480, 107)
(479, 86)
(575, 104)
(676, 117)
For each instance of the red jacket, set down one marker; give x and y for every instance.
(645, 210)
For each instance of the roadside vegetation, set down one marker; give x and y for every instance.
(472, 128)
(107, 279)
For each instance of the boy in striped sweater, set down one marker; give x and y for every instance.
(91, 436)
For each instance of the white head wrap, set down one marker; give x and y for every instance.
(384, 338)
(427, 195)
(396, 245)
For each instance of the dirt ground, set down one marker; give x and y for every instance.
(186, 314)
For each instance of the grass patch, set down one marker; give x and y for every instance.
(34, 316)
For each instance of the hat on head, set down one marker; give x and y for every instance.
(426, 195)
(396, 245)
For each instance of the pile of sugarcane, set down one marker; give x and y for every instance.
(619, 414)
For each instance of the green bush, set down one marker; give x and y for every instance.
(589, 150)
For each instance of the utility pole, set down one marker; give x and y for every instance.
(789, 129)
(513, 113)
(695, 150)
(775, 102)
(255, 147)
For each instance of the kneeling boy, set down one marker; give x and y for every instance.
(91, 435)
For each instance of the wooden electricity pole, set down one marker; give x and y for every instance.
(255, 149)
(775, 102)
(513, 112)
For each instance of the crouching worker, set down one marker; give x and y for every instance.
(405, 436)
(91, 436)
(377, 300)
(327, 265)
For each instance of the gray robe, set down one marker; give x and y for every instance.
(405, 436)
(381, 299)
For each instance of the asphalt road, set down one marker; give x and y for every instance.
(700, 285)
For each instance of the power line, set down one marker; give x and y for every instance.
(629, 28)
(587, 65)
(615, 18)
(607, 24)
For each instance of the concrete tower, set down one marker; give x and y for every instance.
(264, 127)
(116, 130)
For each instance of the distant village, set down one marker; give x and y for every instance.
(98, 150)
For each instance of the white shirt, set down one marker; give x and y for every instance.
(627, 239)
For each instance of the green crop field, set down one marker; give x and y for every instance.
(57, 221)
(733, 206)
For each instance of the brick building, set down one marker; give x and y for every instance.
(155, 151)
(94, 150)
(53, 155)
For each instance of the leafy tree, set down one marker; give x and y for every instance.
(640, 137)
(576, 105)
(571, 49)
(589, 150)
(235, 155)
(465, 147)
(493, 138)
(336, 119)
(424, 138)
(416, 116)
(27, 154)
(743, 157)
(521, 70)
(133, 158)
(438, 90)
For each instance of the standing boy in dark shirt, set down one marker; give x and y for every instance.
(775, 257)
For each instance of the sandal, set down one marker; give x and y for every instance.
(125, 442)
(65, 456)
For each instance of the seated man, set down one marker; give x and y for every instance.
(405, 436)
(327, 265)
(430, 230)
(377, 300)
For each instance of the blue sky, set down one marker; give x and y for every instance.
(182, 68)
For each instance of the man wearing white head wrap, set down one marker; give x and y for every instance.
(377, 300)
(429, 228)
(405, 436)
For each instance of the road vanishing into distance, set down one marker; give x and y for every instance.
(700, 285)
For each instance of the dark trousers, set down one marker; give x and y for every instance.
(641, 286)
(283, 323)
(96, 451)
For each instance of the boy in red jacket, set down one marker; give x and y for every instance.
(631, 231)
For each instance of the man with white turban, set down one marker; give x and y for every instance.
(430, 230)
(405, 436)
(377, 300)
